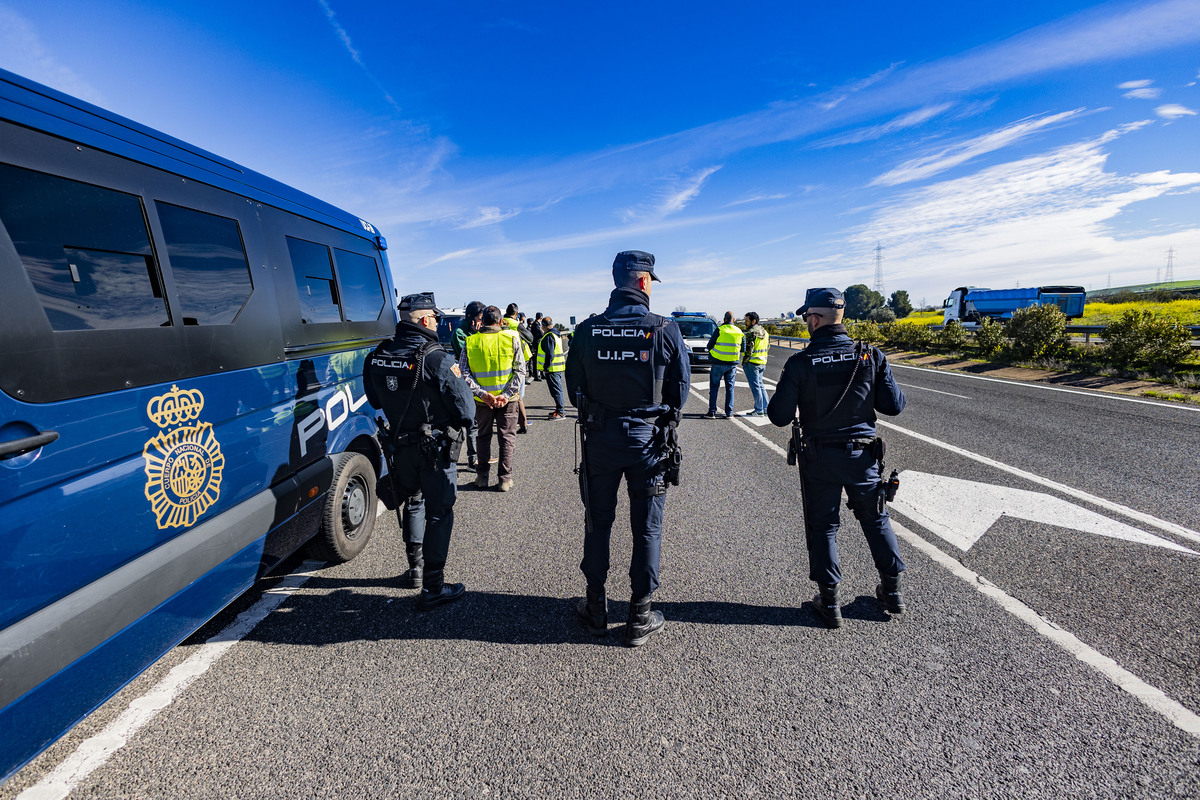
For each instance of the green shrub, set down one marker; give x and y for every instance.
(1037, 332)
(952, 337)
(907, 337)
(1141, 338)
(882, 315)
(989, 338)
(867, 332)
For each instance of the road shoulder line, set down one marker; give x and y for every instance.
(1151, 697)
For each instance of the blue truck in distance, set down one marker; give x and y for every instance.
(972, 304)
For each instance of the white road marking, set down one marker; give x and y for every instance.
(1146, 519)
(935, 391)
(94, 752)
(962, 511)
(1151, 697)
(1096, 394)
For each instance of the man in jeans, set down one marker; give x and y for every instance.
(725, 350)
(551, 360)
(754, 361)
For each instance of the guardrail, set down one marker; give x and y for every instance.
(1088, 332)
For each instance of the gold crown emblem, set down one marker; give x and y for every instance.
(175, 407)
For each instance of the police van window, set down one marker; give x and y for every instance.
(85, 249)
(362, 293)
(314, 281)
(208, 262)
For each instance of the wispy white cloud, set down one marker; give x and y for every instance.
(930, 165)
(1090, 37)
(488, 215)
(1140, 90)
(582, 239)
(673, 199)
(354, 54)
(1174, 111)
(758, 198)
(909, 120)
(1049, 216)
(23, 52)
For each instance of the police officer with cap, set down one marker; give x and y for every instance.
(627, 372)
(836, 386)
(428, 406)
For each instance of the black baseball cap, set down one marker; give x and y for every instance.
(822, 298)
(634, 261)
(419, 302)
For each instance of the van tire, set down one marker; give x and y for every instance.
(349, 516)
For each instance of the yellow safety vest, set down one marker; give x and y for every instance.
(759, 347)
(558, 361)
(525, 352)
(491, 358)
(510, 322)
(729, 343)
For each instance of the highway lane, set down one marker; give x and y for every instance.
(346, 691)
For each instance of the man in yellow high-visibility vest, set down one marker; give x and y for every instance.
(725, 350)
(552, 362)
(493, 365)
(754, 361)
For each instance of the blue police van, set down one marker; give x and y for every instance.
(181, 401)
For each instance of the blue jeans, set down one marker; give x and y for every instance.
(718, 371)
(554, 380)
(754, 377)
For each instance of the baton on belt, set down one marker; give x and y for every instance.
(581, 470)
(795, 458)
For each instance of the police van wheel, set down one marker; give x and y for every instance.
(349, 516)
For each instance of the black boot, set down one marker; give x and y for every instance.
(413, 578)
(593, 610)
(643, 623)
(827, 606)
(888, 592)
(436, 592)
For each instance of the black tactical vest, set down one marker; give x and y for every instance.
(829, 370)
(623, 362)
(406, 396)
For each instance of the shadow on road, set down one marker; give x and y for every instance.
(332, 610)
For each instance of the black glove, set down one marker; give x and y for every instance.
(669, 418)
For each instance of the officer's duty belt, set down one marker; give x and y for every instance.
(599, 413)
(414, 437)
(843, 444)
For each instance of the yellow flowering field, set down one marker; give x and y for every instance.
(1186, 312)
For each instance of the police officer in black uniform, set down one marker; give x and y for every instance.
(428, 405)
(837, 385)
(627, 372)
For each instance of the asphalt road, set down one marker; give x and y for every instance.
(345, 690)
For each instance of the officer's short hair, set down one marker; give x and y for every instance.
(750, 315)
(475, 308)
(512, 309)
(728, 318)
(492, 316)
(547, 323)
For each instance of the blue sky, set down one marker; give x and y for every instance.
(508, 150)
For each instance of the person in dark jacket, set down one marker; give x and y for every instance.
(472, 321)
(836, 386)
(428, 406)
(616, 363)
